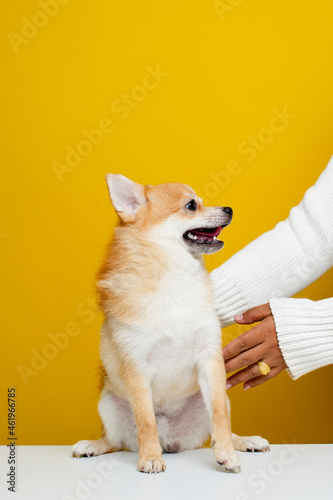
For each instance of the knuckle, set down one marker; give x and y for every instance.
(244, 360)
(242, 343)
(271, 337)
(254, 372)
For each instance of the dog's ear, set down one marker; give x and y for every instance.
(126, 196)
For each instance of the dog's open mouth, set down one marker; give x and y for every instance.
(204, 236)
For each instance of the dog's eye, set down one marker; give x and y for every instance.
(191, 205)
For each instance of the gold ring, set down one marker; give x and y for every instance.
(264, 368)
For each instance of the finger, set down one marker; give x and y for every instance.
(252, 315)
(245, 358)
(260, 380)
(244, 375)
(255, 381)
(245, 341)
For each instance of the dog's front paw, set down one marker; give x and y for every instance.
(251, 443)
(86, 449)
(228, 460)
(151, 465)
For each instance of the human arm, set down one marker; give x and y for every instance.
(282, 261)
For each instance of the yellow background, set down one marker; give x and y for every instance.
(227, 72)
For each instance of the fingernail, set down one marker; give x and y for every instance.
(228, 385)
(247, 387)
(239, 317)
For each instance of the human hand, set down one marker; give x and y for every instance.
(258, 344)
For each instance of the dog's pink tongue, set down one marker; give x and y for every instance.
(207, 234)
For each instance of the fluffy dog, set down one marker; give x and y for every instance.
(164, 378)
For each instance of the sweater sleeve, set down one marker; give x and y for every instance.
(282, 261)
(305, 333)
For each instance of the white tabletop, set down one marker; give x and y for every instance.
(287, 472)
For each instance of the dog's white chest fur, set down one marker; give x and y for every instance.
(178, 326)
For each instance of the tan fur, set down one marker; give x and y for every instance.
(140, 400)
(221, 428)
(101, 377)
(122, 267)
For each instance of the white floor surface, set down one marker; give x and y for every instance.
(287, 472)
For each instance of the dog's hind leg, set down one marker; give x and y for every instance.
(250, 443)
(119, 429)
(92, 448)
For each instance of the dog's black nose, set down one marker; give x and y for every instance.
(227, 210)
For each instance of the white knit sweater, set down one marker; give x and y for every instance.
(279, 264)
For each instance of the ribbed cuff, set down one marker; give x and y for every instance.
(305, 333)
(229, 299)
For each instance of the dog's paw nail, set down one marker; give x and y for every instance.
(229, 462)
(252, 444)
(227, 467)
(86, 449)
(151, 465)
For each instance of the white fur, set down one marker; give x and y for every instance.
(126, 196)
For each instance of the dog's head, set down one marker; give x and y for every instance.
(169, 211)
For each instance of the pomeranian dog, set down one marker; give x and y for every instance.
(164, 382)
